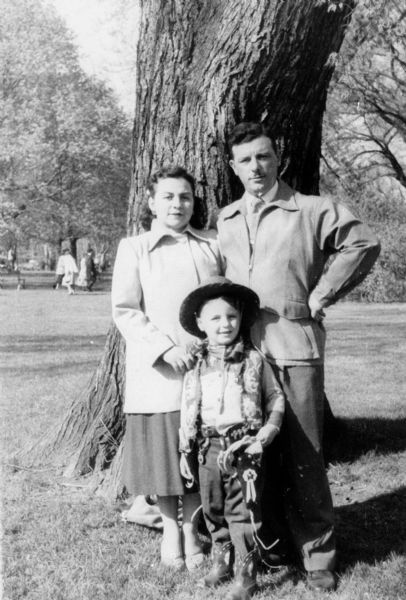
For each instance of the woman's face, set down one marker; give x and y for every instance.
(172, 202)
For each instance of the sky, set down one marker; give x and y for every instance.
(105, 32)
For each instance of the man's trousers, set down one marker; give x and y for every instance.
(306, 493)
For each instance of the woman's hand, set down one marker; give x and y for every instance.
(179, 359)
(185, 469)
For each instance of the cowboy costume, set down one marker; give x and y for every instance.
(228, 396)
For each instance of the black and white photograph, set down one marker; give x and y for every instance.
(203, 299)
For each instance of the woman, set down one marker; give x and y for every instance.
(153, 272)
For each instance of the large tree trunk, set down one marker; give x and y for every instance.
(204, 65)
(89, 436)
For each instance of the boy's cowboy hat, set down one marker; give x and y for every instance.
(213, 287)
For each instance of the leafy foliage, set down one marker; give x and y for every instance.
(364, 139)
(365, 125)
(64, 156)
(387, 216)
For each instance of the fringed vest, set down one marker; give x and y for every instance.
(246, 364)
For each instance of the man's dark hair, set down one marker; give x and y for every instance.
(246, 132)
(173, 172)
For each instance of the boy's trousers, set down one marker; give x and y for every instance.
(225, 512)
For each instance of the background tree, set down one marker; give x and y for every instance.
(64, 141)
(202, 66)
(364, 141)
(106, 33)
(366, 127)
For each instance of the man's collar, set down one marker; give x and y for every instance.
(284, 198)
(267, 197)
(279, 195)
(272, 193)
(159, 231)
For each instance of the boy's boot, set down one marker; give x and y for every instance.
(222, 568)
(245, 582)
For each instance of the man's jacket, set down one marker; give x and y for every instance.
(295, 236)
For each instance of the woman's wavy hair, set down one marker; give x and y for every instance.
(176, 172)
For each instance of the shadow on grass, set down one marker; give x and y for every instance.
(62, 354)
(348, 439)
(26, 344)
(370, 531)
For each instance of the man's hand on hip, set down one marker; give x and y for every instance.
(316, 309)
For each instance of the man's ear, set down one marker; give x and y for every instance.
(232, 165)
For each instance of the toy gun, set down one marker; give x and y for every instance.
(236, 461)
(242, 459)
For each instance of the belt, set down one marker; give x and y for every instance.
(209, 431)
(232, 435)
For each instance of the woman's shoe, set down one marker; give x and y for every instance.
(192, 548)
(174, 562)
(194, 561)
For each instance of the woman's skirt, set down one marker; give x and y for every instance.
(151, 456)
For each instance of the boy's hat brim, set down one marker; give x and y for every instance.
(214, 287)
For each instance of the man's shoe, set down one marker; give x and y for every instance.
(274, 559)
(321, 580)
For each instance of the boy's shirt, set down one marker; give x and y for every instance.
(230, 390)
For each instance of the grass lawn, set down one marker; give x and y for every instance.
(60, 542)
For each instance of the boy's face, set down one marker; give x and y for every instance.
(220, 321)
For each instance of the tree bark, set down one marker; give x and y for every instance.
(203, 66)
(73, 246)
(212, 64)
(88, 437)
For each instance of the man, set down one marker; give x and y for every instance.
(11, 259)
(277, 241)
(91, 272)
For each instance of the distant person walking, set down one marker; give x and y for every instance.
(88, 271)
(59, 271)
(70, 271)
(11, 259)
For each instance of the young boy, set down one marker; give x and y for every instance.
(231, 400)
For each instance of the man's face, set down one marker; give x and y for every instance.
(256, 164)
